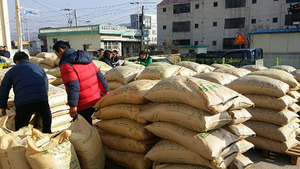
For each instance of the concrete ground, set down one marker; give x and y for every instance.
(275, 161)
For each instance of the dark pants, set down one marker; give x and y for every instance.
(87, 114)
(24, 113)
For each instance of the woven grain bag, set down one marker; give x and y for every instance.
(217, 77)
(57, 82)
(121, 74)
(49, 62)
(166, 151)
(159, 64)
(195, 92)
(253, 68)
(238, 72)
(241, 162)
(51, 78)
(102, 66)
(138, 67)
(241, 102)
(158, 72)
(272, 116)
(272, 131)
(87, 144)
(239, 116)
(279, 75)
(46, 55)
(244, 145)
(271, 102)
(194, 66)
(129, 111)
(296, 74)
(56, 153)
(130, 93)
(272, 145)
(183, 71)
(286, 68)
(128, 159)
(35, 60)
(240, 130)
(114, 85)
(218, 66)
(125, 127)
(255, 84)
(54, 72)
(121, 143)
(56, 96)
(209, 145)
(12, 149)
(185, 116)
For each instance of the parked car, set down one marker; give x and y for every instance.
(241, 57)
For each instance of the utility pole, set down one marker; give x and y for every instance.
(70, 17)
(18, 24)
(75, 14)
(142, 29)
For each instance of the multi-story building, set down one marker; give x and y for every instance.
(216, 23)
(150, 21)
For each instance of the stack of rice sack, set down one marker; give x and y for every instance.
(198, 68)
(45, 60)
(120, 76)
(61, 118)
(274, 117)
(120, 128)
(30, 149)
(102, 66)
(188, 114)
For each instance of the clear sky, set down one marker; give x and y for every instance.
(53, 13)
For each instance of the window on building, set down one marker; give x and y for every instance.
(215, 4)
(254, 2)
(164, 9)
(196, 25)
(228, 44)
(196, 43)
(275, 20)
(215, 23)
(292, 1)
(54, 40)
(164, 27)
(234, 23)
(181, 8)
(181, 42)
(197, 6)
(214, 43)
(253, 21)
(181, 26)
(235, 3)
(111, 45)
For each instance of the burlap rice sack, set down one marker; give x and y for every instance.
(271, 102)
(209, 145)
(217, 66)
(121, 74)
(50, 78)
(128, 159)
(239, 116)
(158, 72)
(286, 68)
(279, 75)
(178, 166)
(241, 162)
(56, 96)
(57, 82)
(54, 72)
(272, 116)
(253, 68)
(272, 145)
(125, 127)
(87, 144)
(46, 55)
(255, 84)
(114, 85)
(240, 130)
(122, 143)
(271, 131)
(129, 111)
(185, 116)
(195, 92)
(130, 93)
(198, 68)
(49, 62)
(244, 145)
(159, 64)
(217, 77)
(238, 72)
(183, 71)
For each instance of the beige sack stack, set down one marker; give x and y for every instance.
(120, 128)
(274, 117)
(189, 115)
(121, 75)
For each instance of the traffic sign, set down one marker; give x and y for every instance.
(239, 40)
(28, 11)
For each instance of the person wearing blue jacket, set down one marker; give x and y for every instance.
(30, 85)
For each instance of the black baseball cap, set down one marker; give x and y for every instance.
(99, 50)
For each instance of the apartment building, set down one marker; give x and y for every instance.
(216, 23)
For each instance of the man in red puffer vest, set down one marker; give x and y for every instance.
(82, 80)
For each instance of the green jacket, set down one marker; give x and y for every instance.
(146, 61)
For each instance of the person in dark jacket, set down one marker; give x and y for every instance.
(144, 58)
(107, 57)
(115, 58)
(30, 85)
(5, 52)
(81, 78)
